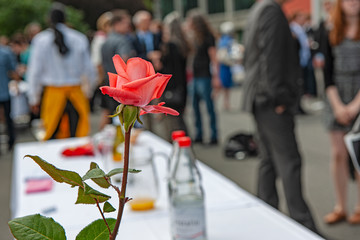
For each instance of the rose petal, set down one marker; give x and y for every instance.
(149, 88)
(136, 68)
(120, 66)
(116, 81)
(122, 96)
(150, 69)
(158, 109)
(161, 89)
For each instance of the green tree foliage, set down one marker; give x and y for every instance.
(16, 14)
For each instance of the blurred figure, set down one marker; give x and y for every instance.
(59, 57)
(147, 46)
(205, 73)
(342, 81)
(117, 42)
(144, 41)
(175, 50)
(297, 28)
(103, 28)
(321, 34)
(4, 40)
(224, 54)
(271, 94)
(320, 42)
(7, 67)
(30, 32)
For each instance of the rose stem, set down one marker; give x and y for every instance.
(121, 194)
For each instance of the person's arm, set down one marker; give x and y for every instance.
(339, 109)
(353, 108)
(34, 74)
(11, 66)
(89, 70)
(215, 80)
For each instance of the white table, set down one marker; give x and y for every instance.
(231, 212)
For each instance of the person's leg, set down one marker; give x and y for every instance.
(355, 218)
(73, 118)
(266, 189)
(340, 173)
(196, 108)
(279, 130)
(10, 124)
(206, 90)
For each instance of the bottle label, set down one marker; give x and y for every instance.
(188, 221)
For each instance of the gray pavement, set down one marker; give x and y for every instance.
(313, 142)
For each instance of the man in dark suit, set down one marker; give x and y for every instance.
(144, 41)
(271, 93)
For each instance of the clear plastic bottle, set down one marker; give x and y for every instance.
(187, 208)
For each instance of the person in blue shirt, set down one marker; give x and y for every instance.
(7, 67)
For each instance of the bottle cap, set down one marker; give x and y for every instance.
(177, 134)
(184, 141)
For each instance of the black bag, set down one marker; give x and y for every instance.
(240, 146)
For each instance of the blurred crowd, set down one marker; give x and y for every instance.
(50, 78)
(50, 73)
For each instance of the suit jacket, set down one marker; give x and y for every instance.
(271, 59)
(140, 46)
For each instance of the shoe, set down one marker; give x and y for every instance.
(198, 140)
(213, 142)
(335, 217)
(355, 218)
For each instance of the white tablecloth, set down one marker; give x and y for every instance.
(231, 212)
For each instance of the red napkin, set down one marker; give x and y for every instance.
(83, 150)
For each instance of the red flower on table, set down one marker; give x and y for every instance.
(136, 84)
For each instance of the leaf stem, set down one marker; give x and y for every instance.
(122, 199)
(102, 215)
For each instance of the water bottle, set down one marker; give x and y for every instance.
(187, 209)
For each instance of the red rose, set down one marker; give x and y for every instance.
(136, 84)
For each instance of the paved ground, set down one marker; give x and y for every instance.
(314, 145)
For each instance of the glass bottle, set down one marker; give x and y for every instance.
(187, 209)
(175, 148)
(174, 155)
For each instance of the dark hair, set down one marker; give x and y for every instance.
(177, 36)
(57, 15)
(118, 15)
(200, 26)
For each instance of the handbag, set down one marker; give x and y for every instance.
(352, 142)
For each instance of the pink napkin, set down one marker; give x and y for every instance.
(36, 185)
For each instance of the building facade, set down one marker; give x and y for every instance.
(236, 11)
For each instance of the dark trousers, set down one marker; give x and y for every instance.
(280, 158)
(9, 122)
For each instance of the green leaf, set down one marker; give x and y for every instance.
(97, 175)
(108, 207)
(97, 230)
(94, 173)
(57, 174)
(130, 114)
(83, 198)
(121, 170)
(90, 195)
(118, 110)
(36, 227)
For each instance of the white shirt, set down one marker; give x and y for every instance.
(47, 67)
